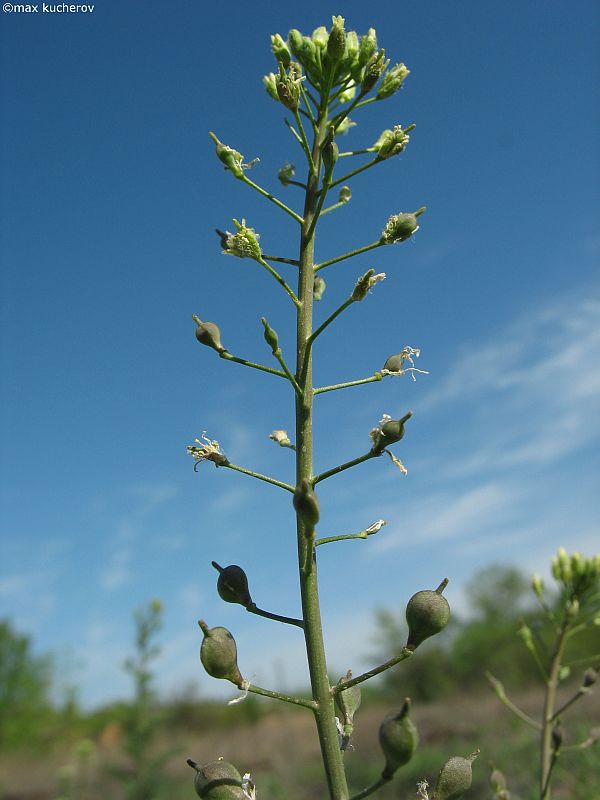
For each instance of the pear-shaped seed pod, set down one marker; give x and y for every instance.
(218, 780)
(209, 334)
(306, 505)
(454, 778)
(427, 613)
(232, 584)
(348, 700)
(389, 433)
(398, 738)
(218, 654)
(394, 363)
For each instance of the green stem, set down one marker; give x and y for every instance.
(259, 477)
(357, 171)
(547, 754)
(336, 470)
(279, 280)
(280, 259)
(350, 254)
(580, 693)
(229, 357)
(272, 198)
(339, 204)
(381, 781)
(327, 539)
(305, 145)
(376, 377)
(254, 609)
(330, 319)
(297, 701)
(278, 355)
(372, 672)
(324, 708)
(501, 695)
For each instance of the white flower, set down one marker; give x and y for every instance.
(207, 450)
(395, 364)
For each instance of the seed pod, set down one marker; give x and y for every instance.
(209, 334)
(348, 700)
(270, 335)
(497, 779)
(427, 613)
(218, 654)
(330, 152)
(306, 505)
(399, 228)
(232, 584)
(454, 778)
(390, 433)
(590, 676)
(218, 780)
(398, 738)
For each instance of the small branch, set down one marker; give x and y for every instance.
(306, 96)
(278, 355)
(272, 198)
(357, 171)
(260, 477)
(339, 204)
(581, 692)
(229, 357)
(350, 254)
(376, 377)
(340, 687)
(587, 660)
(336, 470)
(327, 539)
(294, 132)
(305, 144)
(293, 261)
(253, 609)
(381, 781)
(280, 281)
(357, 152)
(297, 701)
(501, 694)
(330, 319)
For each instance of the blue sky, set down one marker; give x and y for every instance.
(110, 196)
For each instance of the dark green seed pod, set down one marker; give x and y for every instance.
(209, 334)
(390, 433)
(454, 778)
(306, 505)
(427, 613)
(218, 780)
(348, 700)
(218, 654)
(394, 363)
(318, 287)
(232, 584)
(590, 676)
(398, 738)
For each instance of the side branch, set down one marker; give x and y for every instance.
(340, 687)
(272, 198)
(297, 701)
(376, 377)
(336, 470)
(252, 608)
(229, 357)
(381, 781)
(350, 254)
(260, 477)
(279, 280)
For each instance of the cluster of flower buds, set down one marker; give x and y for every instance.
(427, 613)
(392, 142)
(398, 738)
(400, 227)
(220, 780)
(580, 576)
(337, 57)
(243, 243)
(218, 654)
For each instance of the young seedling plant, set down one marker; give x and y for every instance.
(319, 80)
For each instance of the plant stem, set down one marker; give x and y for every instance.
(254, 609)
(313, 633)
(280, 259)
(330, 319)
(272, 198)
(501, 695)
(381, 781)
(376, 377)
(372, 672)
(297, 701)
(336, 470)
(259, 477)
(350, 254)
(279, 280)
(327, 539)
(229, 357)
(547, 754)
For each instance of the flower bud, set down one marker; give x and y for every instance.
(336, 43)
(318, 287)
(374, 69)
(368, 45)
(345, 126)
(295, 42)
(345, 196)
(218, 654)
(392, 81)
(306, 505)
(345, 97)
(232, 584)
(497, 779)
(388, 432)
(228, 156)
(400, 227)
(427, 613)
(320, 37)
(280, 50)
(398, 738)
(455, 777)
(209, 334)
(352, 46)
(270, 335)
(218, 780)
(537, 584)
(286, 173)
(348, 700)
(557, 736)
(270, 83)
(330, 152)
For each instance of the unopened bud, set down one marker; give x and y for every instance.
(368, 45)
(455, 777)
(229, 157)
(427, 613)
(336, 43)
(218, 780)
(270, 335)
(497, 779)
(345, 194)
(286, 173)
(320, 37)
(557, 736)
(374, 69)
(295, 42)
(306, 505)
(398, 738)
(209, 334)
(537, 584)
(232, 584)
(288, 85)
(392, 81)
(330, 152)
(590, 676)
(218, 654)
(318, 287)
(365, 283)
(348, 700)
(280, 50)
